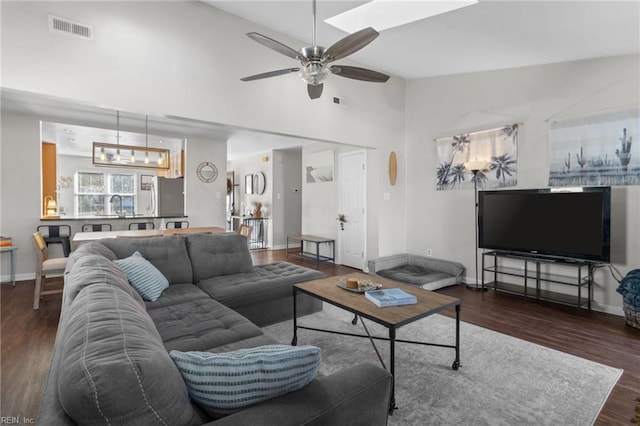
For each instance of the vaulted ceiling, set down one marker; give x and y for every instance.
(486, 36)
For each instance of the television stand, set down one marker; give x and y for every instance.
(580, 278)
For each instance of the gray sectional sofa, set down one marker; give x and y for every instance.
(111, 362)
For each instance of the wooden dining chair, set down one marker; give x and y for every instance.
(96, 227)
(45, 268)
(177, 224)
(141, 225)
(57, 234)
(245, 230)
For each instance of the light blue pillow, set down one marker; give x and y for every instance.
(231, 380)
(145, 278)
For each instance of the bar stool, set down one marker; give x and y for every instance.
(177, 224)
(141, 225)
(45, 268)
(96, 227)
(245, 230)
(57, 234)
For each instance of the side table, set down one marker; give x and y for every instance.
(304, 238)
(11, 250)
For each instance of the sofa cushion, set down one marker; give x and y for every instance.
(114, 368)
(91, 269)
(232, 380)
(176, 294)
(143, 276)
(168, 254)
(218, 254)
(262, 283)
(200, 324)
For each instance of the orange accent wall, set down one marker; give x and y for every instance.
(49, 167)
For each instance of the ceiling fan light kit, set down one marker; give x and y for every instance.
(315, 60)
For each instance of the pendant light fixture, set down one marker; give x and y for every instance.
(118, 135)
(136, 156)
(146, 139)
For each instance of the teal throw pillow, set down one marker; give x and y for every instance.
(226, 381)
(145, 278)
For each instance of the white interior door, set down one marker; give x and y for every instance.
(352, 200)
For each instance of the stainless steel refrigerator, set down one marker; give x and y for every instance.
(167, 197)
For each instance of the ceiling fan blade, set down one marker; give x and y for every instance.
(270, 74)
(275, 45)
(350, 44)
(358, 73)
(314, 91)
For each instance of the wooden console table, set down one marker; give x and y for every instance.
(304, 238)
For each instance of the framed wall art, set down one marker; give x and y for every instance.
(594, 150)
(248, 184)
(495, 148)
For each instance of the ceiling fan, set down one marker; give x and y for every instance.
(315, 61)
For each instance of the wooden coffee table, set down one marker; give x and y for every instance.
(392, 318)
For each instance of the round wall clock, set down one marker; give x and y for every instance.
(207, 172)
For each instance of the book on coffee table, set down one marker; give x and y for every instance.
(390, 297)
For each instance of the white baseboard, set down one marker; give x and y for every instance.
(19, 277)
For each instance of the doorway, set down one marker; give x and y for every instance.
(352, 201)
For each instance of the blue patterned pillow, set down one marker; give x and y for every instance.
(231, 380)
(145, 278)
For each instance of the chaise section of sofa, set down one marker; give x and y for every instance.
(262, 293)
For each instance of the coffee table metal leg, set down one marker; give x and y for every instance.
(456, 362)
(294, 341)
(392, 368)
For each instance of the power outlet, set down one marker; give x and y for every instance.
(429, 253)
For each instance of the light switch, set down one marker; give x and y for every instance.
(386, 196)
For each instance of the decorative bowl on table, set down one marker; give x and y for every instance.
(361, 286)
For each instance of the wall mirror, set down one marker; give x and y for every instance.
(259, 183)
(82, 174)
(248, 184)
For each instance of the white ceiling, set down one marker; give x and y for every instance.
(489, 35)
(486, 36)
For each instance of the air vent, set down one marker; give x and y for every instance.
(65, 26)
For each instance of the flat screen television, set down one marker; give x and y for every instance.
(568, 224)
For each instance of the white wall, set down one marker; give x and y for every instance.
(20, 188)
(443, 220)
(185, 59)
(206, 202)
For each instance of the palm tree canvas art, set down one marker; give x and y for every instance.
(498, 147)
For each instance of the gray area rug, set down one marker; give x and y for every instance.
(502, 381)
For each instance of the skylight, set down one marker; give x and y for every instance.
(385, 14)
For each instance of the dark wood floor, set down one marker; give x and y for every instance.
(27, 338)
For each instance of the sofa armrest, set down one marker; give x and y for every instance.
(358, 395)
